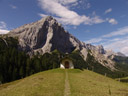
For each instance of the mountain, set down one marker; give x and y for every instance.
(120, 54)
(112, 53)
(44, 36)
(47, 35)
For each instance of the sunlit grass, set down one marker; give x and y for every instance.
(88, 83)
(49, 83)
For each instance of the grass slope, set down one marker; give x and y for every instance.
(48, 83)
(87, 83)
(52, 83)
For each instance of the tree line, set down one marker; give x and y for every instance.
(16, 64)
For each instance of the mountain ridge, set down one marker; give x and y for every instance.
(52, 30)
(47, 35)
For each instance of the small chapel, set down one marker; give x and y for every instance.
(66, 63)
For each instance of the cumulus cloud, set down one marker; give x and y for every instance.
(3, 28)
(3, 31)
(108, 11)
(112, 21)
(116, 40)
(65, 15)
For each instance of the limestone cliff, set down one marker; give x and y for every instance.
(47, 35)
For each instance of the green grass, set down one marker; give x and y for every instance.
(52, 83)
(49, 83)
(88, 83)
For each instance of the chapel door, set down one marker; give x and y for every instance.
(67, 65)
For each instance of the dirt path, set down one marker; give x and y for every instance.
(67, 86)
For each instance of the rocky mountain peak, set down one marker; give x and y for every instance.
(120, 54)
(48, 18)
(100, 49)
(44, 36)
(47, 35)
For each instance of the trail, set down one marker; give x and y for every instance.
(67, 86)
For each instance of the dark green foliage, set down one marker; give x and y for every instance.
(124, 80)
(12, 61)
(93, 65)
(78, 61)
(97, 67)
(121, 63)
(15, 64)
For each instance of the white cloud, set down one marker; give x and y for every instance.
(112, 21)
(125, 50)
(121, 31)
(2, 25)
(117, 40)
(94, 40)
(116, 44)
(3, 28)
(42, 15)
(84, 4)
(96, 20)
(108, 11)
(3, 31)
(65, 2)
(120, 45)
(65, 15)
(13, 6)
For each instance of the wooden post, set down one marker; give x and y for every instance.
(119, 79)
(105, 74)
(0, 83)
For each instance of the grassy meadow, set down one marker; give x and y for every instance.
(87, 83)
(52, 83)
(49, 83)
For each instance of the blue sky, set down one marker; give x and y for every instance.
(91, 21)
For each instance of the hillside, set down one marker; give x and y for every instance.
(16, 64)
(58, 81)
